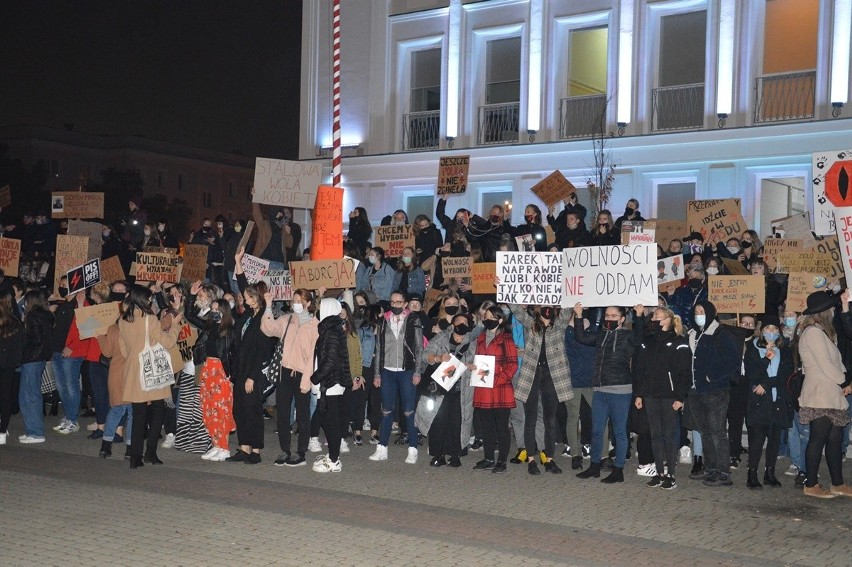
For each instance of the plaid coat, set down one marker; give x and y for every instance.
(502, 348)
(554, 338)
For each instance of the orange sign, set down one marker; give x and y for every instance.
(327, 233)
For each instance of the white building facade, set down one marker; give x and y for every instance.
(698, 99)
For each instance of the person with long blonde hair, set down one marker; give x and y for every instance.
(663, 378)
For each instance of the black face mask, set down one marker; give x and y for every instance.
(695, 283)
(396, 310)
(609, 325)
(206, 229)
(628, 211)
(547, 313)
(461, 330)
(491, 324)
(745, 245)
(655, 327)
(216, 316)
(116, 296)
(451, 309)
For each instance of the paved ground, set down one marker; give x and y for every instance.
(62, 505)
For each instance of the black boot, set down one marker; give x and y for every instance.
(594, 470)
(106, 449)
(136, 462)
(697, 465)
(769, 477)
(577, 463)
(152, 458)
(751, 480)
(617, 475)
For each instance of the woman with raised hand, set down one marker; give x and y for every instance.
(137, 325)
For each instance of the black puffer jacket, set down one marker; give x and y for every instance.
(216, 344)
(663, 367)
(614, 351)
(38, 344)
(331, 355)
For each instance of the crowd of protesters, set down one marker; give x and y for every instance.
(659, 385)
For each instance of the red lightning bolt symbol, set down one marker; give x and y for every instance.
(75, 279)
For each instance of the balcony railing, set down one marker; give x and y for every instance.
(582, 116)
(498, 123)
(788, 96)
(678, 108)
(421, 130)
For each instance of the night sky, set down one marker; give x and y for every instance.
(215, 74)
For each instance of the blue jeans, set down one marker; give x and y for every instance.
(616, 408)
(797, 439)
(393, 382)
(697, 446)
(235, 288)
(30, 400)
(98, 375)
(113, 420)
(848, 425)
(67, 372)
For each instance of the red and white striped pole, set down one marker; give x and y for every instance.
(335, 156)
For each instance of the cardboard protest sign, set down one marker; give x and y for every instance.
(795, 227)
(667, 230)
(322, 273)
(194, 262)
(799, 286)
(76, 205)
(843, 224)
(92, 231)
(286, 183)
(774, 246)
(432, 297)
(831, 245)
(327, 230)
(94, 320)
(821, 206)
(111, 270)
(448, 373)
(279, 284)
(156, 267)
(551, 235)
(254, 268)
(483, 376)
(246, 235)
(392, 239)
(737, 294)
(810, 261)
(457, 267)
(638, 232)
(553, 188)
(670, 269)
(735, 267)
(716, 219)
(452, 175)
(599, 276)
(5, 196)
(10, 256)
(529, 278)
(71, 251)
(84, 276)
(483, 277)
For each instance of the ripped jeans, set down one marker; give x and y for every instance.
(393, 382)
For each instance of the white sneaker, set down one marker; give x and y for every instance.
(366, 426)
(686, 455)
(26, 439)
(69, 428)
(220, 455)
(168, 442)
(314, 445)
(647, 470)
(62, 423)
(3, 438)
(411, 459)
(325, 465)
(381, 453)
(344, 446)
(92, 426)
(210, 452)
(793, 470)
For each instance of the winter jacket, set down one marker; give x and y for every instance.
(762, 409)
(254, 348)
(536, 231)
(716, 359)
(440, 345)
(824, 371)
(552, 339)
(663, 367)
(581, 359)
(683, 302)
(38, 325)
(614, 351)
(568, 238)
(223, 347)
(412, 356)
(300, 340)
(427, 241)
(12, 347)
(331, 355)
(411, 282)
(502, 395)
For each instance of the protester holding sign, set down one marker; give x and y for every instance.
(532, 227)
(612, 381)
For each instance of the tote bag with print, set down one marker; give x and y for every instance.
(155, 365)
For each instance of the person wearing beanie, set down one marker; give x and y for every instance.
(768, 363)
(330, 379)
(716, 362)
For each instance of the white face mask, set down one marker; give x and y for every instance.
(161, 227)
(713, 271)
(700, 320)
(147, 232)
(232, 304)
(298, 308)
